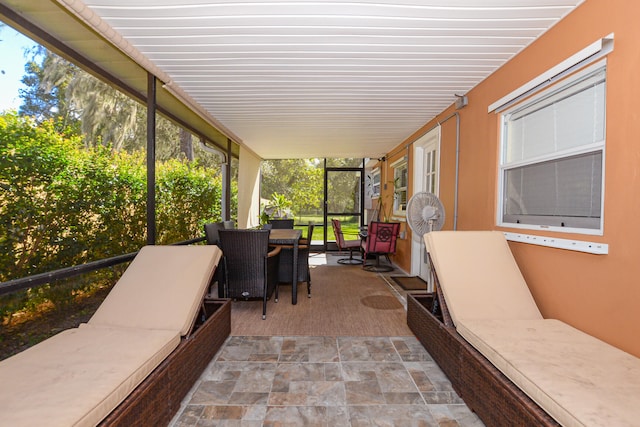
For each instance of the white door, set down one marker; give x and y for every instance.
(426, 179)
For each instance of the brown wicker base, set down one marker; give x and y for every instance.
(158, 398)
(487, 392)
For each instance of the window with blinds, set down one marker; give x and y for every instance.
(401, 181)
(552, 163)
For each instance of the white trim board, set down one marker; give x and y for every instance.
(590, 53)
(552, 242)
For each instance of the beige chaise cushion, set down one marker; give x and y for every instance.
(479, 277)
(163, 288)
(576, 378)
(77, 377)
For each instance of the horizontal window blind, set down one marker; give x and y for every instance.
(552, 155)
(563, 120)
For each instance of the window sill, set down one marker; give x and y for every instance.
(553, 242)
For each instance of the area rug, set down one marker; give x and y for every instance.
(410, 283)
(345, 301)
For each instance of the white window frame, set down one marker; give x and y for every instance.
(593, 147)
(375, 183)
(400, 168)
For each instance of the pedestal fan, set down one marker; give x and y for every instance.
(425, 213)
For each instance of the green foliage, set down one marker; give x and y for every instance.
(73, 183)
(343, 191)
(297, 180)
(187, 197)
(65, 293)
(62, 204)
(278, 207)
(55, 88)
(34, 164)
(43, 99)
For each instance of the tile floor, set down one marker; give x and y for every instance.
(321, 381)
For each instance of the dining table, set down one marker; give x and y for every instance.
(288, 236)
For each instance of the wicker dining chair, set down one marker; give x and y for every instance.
(305, 240)
(250, 265)
(281, 223)
(349, 245)
(286, 262)
(211, 232)
(213, 238)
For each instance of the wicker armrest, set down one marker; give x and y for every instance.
(300, 246)
(275, 250)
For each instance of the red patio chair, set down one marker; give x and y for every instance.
(380, 242)
(346, 245)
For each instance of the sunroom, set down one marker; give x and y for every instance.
(518, 116)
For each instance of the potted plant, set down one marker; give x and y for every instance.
(279, 207)
(386, 208)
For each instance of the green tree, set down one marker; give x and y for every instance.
(174, 142)
(79, 102)
(308, 191)
(2, 26)
(42, 100)
(55, 88)
(298, 180)
(107, 116)
(344, 190)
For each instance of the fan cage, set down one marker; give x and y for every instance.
(415, 213)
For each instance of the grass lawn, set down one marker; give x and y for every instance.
(350, 226)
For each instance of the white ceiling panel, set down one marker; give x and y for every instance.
(328, 78)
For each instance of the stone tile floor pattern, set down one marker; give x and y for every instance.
(322, 381)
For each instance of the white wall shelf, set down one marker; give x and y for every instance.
(553, 242)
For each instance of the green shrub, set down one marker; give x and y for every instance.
(186, 198)
(62, 204)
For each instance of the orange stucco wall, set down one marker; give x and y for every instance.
(402, 257)
(599, 294)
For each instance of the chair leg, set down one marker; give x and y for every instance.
(264, 306)
(388, 259)
(225, 285)
(351, 260)
(377, 267)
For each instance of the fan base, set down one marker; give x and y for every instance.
(378, 268)
(349, 261)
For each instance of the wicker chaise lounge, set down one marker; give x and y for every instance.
(509, 364)
(136, 358)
